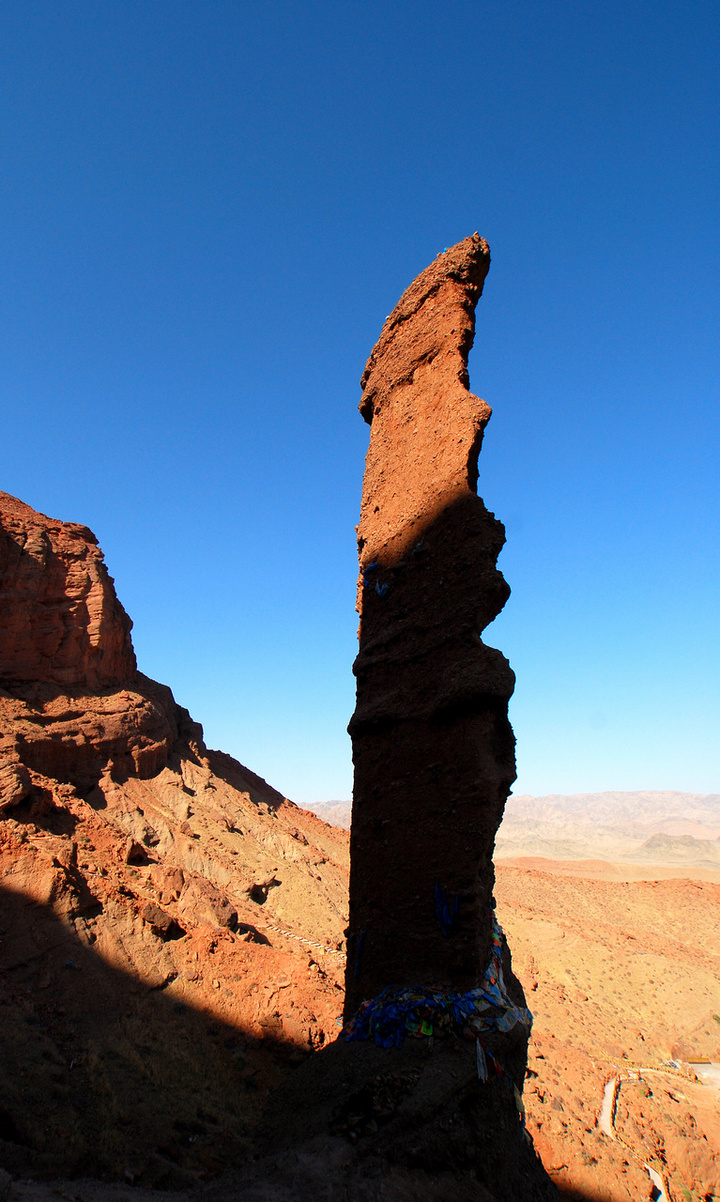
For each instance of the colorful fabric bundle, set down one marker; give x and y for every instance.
(395, 1013)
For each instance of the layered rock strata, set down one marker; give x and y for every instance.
(74, 706)
(60, 620)
(169, 944)
(432, 745)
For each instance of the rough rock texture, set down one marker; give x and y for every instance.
(432, 746)
(167, 944)
(152, 991)
(378, 1124)
(72, 704)
(60, 620)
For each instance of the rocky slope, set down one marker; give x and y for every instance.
(172, 945)
(622, 978)
(172, 927)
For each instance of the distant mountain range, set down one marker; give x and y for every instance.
(648, 826)
(337, 813)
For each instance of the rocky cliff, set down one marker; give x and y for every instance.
(172, 926)
(72, 704)
(60, 620)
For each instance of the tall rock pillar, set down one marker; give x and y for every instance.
(432, 745)
(425, 1080)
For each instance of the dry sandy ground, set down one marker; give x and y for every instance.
(622, 976)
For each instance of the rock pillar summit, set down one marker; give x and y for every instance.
(432, 745)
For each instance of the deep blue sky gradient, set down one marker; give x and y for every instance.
(208, 208)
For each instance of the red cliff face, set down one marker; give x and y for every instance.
(72, 704)
(432, 746)
(166, 930)
(60, 621)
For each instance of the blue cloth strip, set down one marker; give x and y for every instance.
(396, 1013)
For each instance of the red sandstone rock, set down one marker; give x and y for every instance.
(60, 620)
(434, 760)
(426, 425)
(432, 746)
(78, 737)
(161, 986)
(72, 704)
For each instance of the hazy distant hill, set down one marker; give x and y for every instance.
(336, 812)
(637, 814)
(652, 826)
(664, 827)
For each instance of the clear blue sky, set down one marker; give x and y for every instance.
(207, 210)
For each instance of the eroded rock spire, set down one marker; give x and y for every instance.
(425, 1080)
(432, 745)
